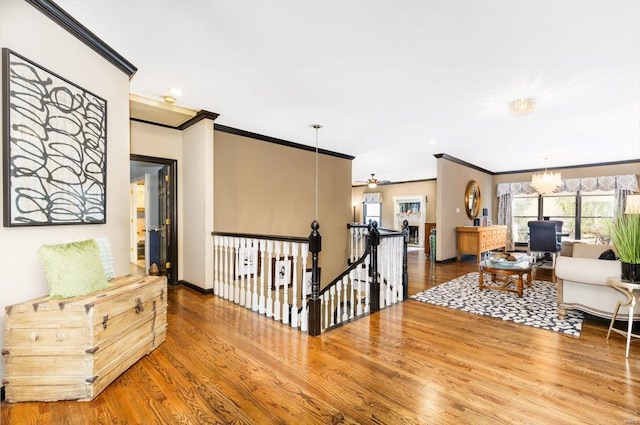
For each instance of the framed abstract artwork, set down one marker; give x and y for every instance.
(54, 150)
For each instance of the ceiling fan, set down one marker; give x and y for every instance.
(374, 182)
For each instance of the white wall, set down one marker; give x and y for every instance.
(197, 151)
(162, 142)
(28, 32)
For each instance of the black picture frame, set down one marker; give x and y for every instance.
(247, 267)
(54, 149)
(308, 279)
(281, 272)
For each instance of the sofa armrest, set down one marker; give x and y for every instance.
(586, 270)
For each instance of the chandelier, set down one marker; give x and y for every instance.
(546, 182)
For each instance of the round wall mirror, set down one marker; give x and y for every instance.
(472, 199)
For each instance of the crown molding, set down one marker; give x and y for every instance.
(461, 162)
(262, 137)
(82, 33)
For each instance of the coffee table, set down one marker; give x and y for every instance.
(505, 270)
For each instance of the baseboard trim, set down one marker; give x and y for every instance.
(196, 287)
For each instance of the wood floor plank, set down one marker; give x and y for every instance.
(412, 363)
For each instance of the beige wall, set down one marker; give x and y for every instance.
(452, 181)
(264, 188)
(388, 191)
(162, 142)
(21, 274)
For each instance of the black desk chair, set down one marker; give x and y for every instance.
(543, 238)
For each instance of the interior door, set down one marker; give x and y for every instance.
(147, 222)
(164, 210)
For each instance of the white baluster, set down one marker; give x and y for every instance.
(286, 247)
(296, 284)
(228, 260)
(352, 232)
(360, 307)
(243, 271)
(245, 296)
(255, 261)
(304, 314)
(387, 262)
(269, 311)
(348, 305)
(332, 307)
(352, 305)
(216, 265)
(261, 300)
(398, 272)
(326, 309)
(276, 304)
(236, 279)
(367, 286)
(337, 289)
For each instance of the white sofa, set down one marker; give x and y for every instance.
(582, 282)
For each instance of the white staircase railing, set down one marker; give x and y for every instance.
(269, 275)
(263, 273)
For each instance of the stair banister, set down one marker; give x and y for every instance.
(405, 274)
(315, 303)
(374, 242)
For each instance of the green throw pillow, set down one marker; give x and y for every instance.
(73, 269)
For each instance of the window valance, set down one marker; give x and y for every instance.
(588, 184)
(372, 198)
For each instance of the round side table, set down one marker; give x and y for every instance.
(632, 292)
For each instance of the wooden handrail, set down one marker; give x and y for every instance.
(300, 239)
(348, 270)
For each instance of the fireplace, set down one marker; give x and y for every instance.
(413, 210)
(414, 235)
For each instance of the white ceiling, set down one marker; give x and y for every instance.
(394, 82)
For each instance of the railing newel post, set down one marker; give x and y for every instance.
(405, 273)
(374, 241)
(315, 303)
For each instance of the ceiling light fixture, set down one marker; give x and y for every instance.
(169, 99)
(522, 106)
(316, 127)
(546, 182)
(372, 185)
(176, 92)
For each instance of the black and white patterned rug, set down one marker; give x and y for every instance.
(537, 307)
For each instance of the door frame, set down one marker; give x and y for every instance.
(172, 253)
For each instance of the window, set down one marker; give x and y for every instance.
(523, 209)
(596, 213)
(561, 207)
(373, 212)
(585, 217)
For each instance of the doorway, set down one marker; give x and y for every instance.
(154, 211)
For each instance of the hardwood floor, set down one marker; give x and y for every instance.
(412, 363)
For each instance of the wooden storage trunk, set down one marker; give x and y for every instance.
(73, 348)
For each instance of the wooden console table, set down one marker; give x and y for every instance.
(475, 240)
